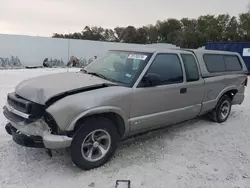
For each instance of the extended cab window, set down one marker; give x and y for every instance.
(168, 67)
(191, 68)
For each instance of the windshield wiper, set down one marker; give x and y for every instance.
(101, 76)
(97, 74)
(93, 73)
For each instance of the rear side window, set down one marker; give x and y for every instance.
(222, 63)
(214, 62)
(232, 63)
(191, 68)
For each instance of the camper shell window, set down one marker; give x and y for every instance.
(222, 63)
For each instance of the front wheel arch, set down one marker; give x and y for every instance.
(116, 119)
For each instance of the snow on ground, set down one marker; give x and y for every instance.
(196, 153)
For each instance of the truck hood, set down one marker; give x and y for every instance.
(44, 88)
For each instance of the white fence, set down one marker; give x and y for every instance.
(32, 51)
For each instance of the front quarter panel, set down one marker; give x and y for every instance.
(70, 109)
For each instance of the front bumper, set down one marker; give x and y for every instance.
(24, 140)
(33, 133)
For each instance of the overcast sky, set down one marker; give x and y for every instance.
(45, 17)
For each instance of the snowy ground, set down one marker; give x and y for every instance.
(197, 153)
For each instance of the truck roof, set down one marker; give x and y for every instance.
(203, 51)
(153, 50)
(141, 49)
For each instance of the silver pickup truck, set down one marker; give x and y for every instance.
(123, 93)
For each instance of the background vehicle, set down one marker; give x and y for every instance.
(121, 94)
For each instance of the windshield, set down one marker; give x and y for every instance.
(119, 66)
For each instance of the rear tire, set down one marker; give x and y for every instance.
(222, 110)
(94, 143)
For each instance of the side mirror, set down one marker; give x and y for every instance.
(151, 80)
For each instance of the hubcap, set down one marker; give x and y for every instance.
(96, 145)
(224, 109)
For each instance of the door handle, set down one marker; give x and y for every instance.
(183, 90)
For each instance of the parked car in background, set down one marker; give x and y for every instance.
(123, 93)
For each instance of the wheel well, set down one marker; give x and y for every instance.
(231, 93)
(115, 118)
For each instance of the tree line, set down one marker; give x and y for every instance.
(186, 33)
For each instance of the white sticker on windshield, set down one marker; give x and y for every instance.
(137, 56)
(128, 75)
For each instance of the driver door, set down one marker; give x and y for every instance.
(163, 104)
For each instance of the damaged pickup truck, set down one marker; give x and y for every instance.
(123, 93)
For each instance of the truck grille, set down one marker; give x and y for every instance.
(24, 105)
(18, 103)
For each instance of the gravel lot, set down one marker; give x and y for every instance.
(196, 153)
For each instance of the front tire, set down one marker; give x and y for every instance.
(222, 110)
(94, 143)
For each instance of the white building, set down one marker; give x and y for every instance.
(31, 50)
